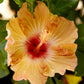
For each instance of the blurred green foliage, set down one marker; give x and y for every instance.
(61, 7)
(80, 68)
(80, 51)
(3, 55)
(80, 40)
(1, 1)
(19, 2)
(20, 82)
(3, 58)
(3, 31)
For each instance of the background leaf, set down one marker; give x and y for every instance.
(30, 5)
(80, 53)
(80, 40)
(58, 81)
(71, 15)
(3, 32)
(13, 5)
(50, 81)
(80, 68)
(19, 2)
(1, 1)
(20, 82)
(3, 57)
(62, 7)
(54, 80)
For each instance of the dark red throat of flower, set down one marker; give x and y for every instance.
(35, 49)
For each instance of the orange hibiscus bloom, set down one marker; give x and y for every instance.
(41, 45)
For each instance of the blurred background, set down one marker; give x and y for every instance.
(8, 9)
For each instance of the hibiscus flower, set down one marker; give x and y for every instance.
(40, 45)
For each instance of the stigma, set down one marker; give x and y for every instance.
(37, 46)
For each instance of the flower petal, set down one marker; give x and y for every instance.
(61, 34)
(62, 30)
(15, 38)
(41, 14)
(14, 30)
(30, 71)
(62, 59)
(26, 20)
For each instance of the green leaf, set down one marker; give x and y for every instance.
(50, 81)
(81, 30)
(3, 57)
(3, 32)
(54, 80)
(19, 2)
(3, 71)
(58, 81)
(1, 1)
(72, 15)
(80, 68)
(80, 52)
(61, 7)
(13, 5)
(80, 40)
(20, 82)
(30, 5)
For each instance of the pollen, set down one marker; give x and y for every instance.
(45, 36)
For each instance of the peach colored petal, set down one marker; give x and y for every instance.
(14, 30)
(63, 58)
(14, 53)
(30, 71)
(60, 65)
(65, 49)
(15, 36)
(41, 15)
(26, 20)
(63, 35)
(62, 30)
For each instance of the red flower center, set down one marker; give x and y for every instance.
(34, 49)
